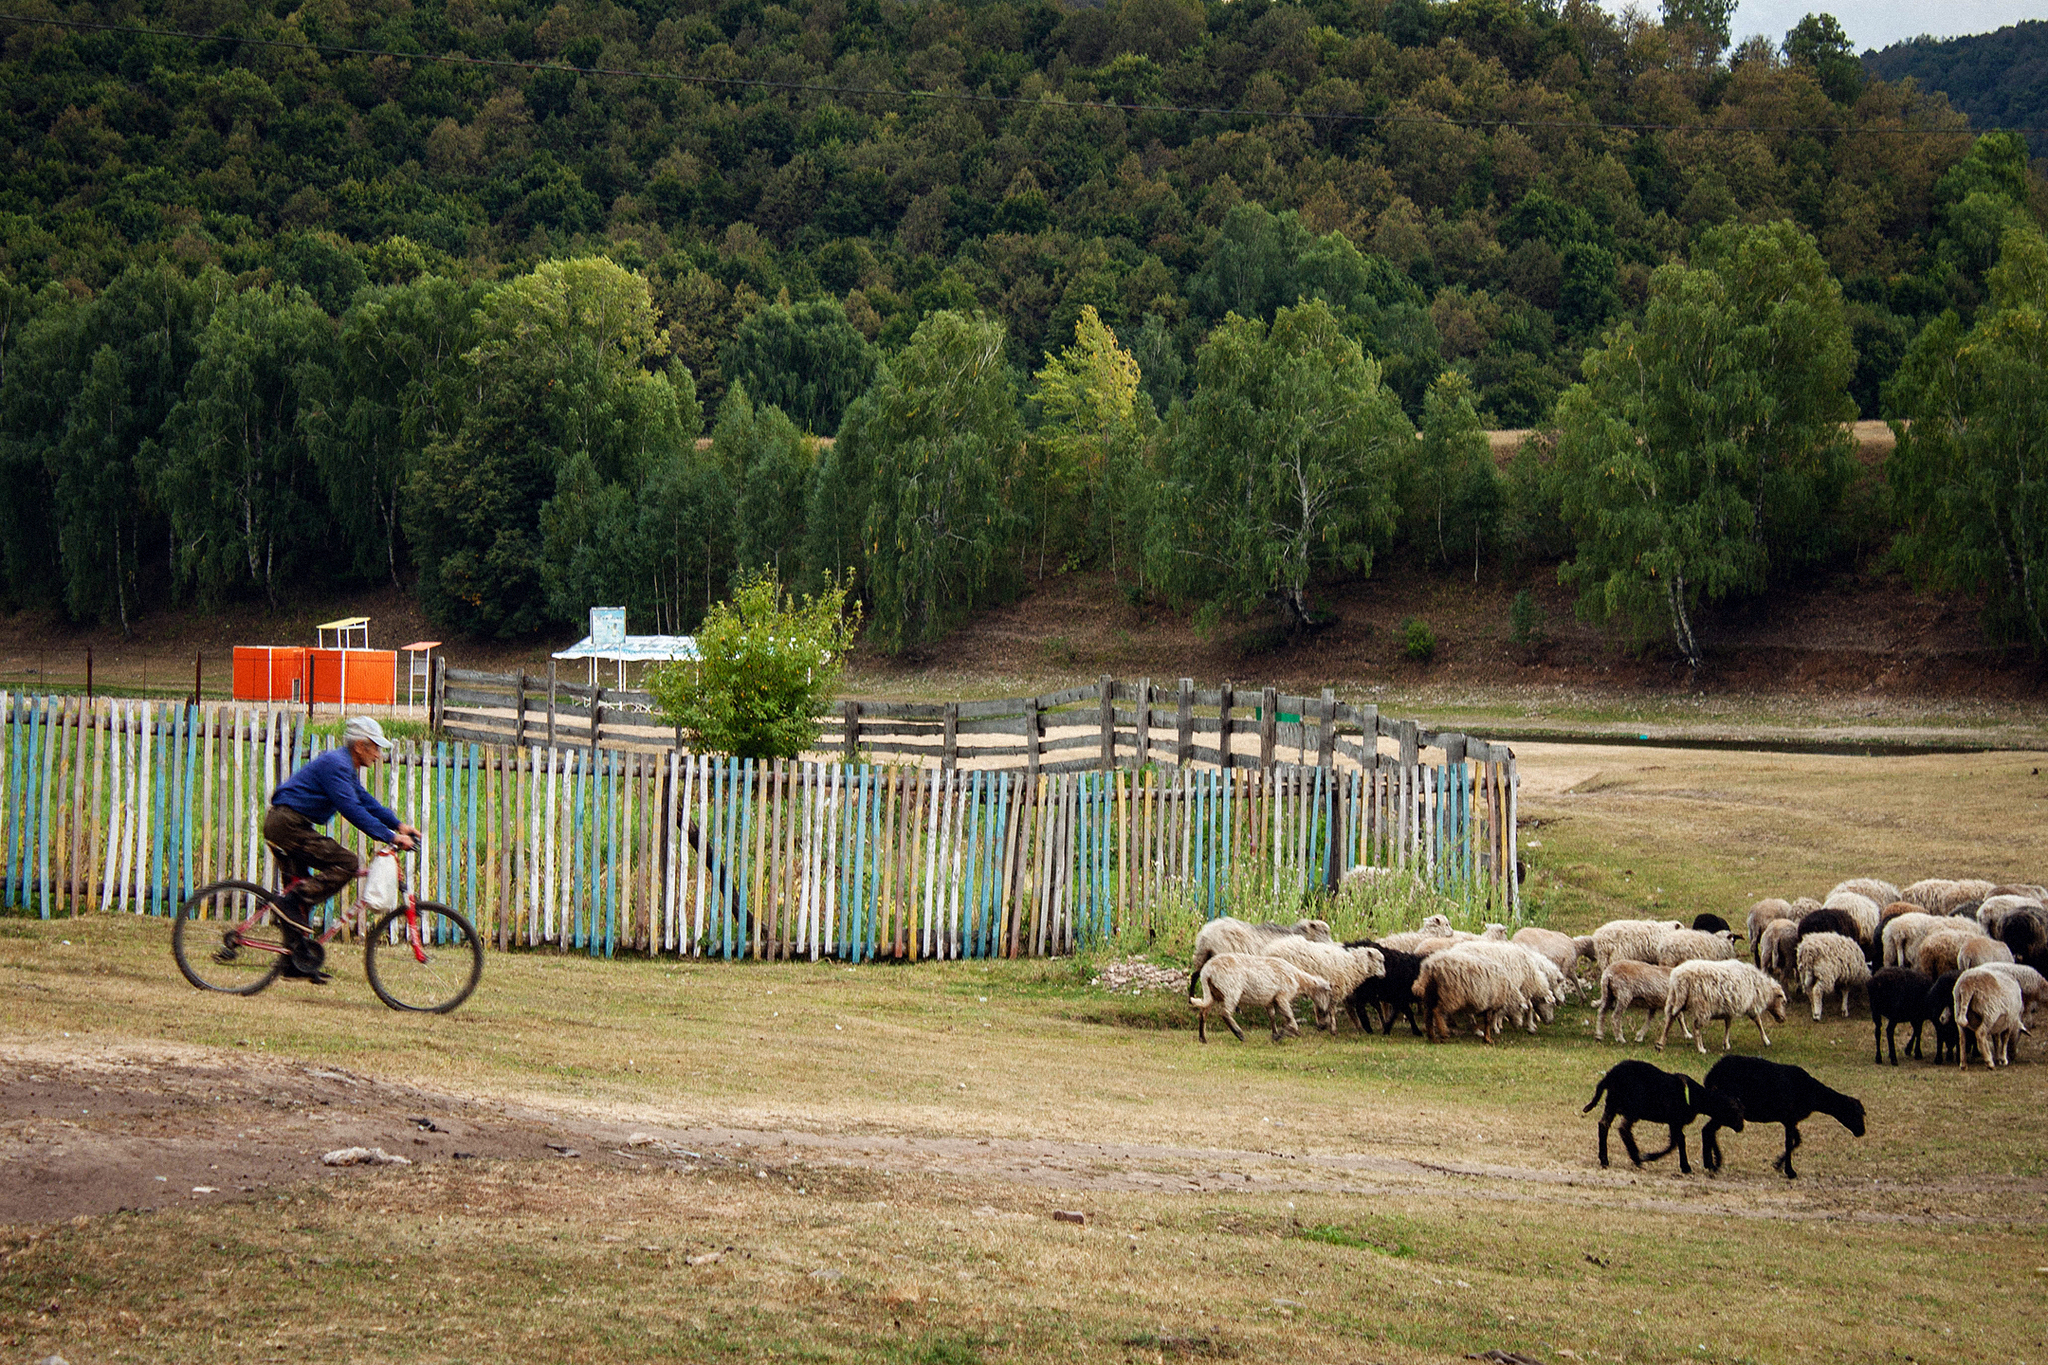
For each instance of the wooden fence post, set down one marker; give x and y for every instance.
(438, 712)
(1031, 736)
(519, 714)
(850, 711)
(951, 758)
(1143, 725)
(1269, 726)
(596, 720)
(1228, 699)
(1107, 687)
(1184, 740)
(1326, 732)
(1411, 746)
(551, 704)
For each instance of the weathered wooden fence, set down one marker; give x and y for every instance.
(1110, 724)
(115, 805)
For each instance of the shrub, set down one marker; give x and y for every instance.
(1421, 640)
(1525, 619)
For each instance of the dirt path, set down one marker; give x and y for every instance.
(95, 1128)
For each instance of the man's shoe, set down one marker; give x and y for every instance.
(317, 978)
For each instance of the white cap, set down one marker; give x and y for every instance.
(365, 727)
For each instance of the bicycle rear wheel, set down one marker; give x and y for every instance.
(227, 939)
(431, 975)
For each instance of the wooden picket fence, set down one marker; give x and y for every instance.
(121, 805)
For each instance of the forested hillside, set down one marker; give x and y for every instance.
(1218, 296)
(2000, 80)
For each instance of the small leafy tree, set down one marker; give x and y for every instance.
(766, 660)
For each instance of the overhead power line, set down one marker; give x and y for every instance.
(973, 97)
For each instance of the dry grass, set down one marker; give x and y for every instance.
(1353, 1198)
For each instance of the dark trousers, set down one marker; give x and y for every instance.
(307, 853)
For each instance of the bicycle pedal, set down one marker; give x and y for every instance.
(225, 955)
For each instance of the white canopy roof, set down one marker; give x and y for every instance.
(634, 648)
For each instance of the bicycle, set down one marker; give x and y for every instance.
(420, 957)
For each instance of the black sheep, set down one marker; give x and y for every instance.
(1638, 1092)
(1392, 992)
(1772, 1092)
(1898, 995)
(1710, 924)
(1941, 1012)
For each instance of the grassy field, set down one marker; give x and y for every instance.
(862, 1165)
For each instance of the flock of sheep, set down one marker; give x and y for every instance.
(1965, 957)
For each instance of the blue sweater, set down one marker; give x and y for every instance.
(328, 784)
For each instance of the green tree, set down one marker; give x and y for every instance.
(769, 461)
(767, 661)
(1691, 434)
(246, 509)
(1969, 479)
(805, 359)
(939, 444)
(1080, 461)
(1283, 465)
(562, 400)
(1453, 497)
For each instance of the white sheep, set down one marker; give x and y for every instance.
(1989, 1009)
(1536, 977)
(1704, 991)
(1902, 935)
(1688, 945)
(1232, 979)
(1561, 950)
(2033, 986)
(1454, 982)
(1861, 908)
(1929, 893)
(1883, 892)
(1982, 952)
(1764, 913)
(1632, 983)
(1344, 968)
(1777, 950)
(1414, 941)
(1827, 963)
(1632, 940)
(1227, 935)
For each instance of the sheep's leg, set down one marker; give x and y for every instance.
(1727, 1034)
(1664, 1032)
(1845, 1002)
(1605, 1120)
(1599, 1010)
(1710, 1147)
(1759, 1017)
(1678, 1141)
(1201, 1024)
(1628, 1140)
(1666, 1149)
(1282, 1013)
(1878, 1033)
(1784, 1163)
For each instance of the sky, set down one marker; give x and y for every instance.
(1876, 23)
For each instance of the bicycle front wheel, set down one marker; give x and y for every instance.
(429, 964)
(227, 938)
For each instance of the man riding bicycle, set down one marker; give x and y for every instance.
(305, 801)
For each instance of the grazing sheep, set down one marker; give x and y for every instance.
(1777, 952)
(1988, 1008)
(1929, 893)
(1632, 983)
(1392, 991)
(1587, 953)
(1231, 979)
(1536, 976)
(1941, 1012)
(1721, 990)
(1882, 892)
(1861, 908)
(1938, 953)
(1344, 968)
(1454, 982)
(1227, 935)
(1772, 1092)
(1804, 905)
(1632, 940)
(2024, 890)
(1903, 936)
(1640, 1093)
(1892, 912)
(1711, 924)
(1827, 963)
(2033, 986)
(1898, 995)
(1762, 914)
(1982, 952)
(1696, 945)
(2020, 925)
(1561, 950)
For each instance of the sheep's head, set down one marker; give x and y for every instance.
(1314, 930)
(1375, 961)
(1437, 925)
(1776, 1006)
(1851, 1115)
(1720, 1106)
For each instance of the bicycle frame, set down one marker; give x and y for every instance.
(359, 909)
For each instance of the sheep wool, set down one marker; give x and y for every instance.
(1728, 991)
(1689, 945)
(1989, 1007)
(1763, 913)
(1861, 908)
(1344, 968)
(1777, 949)
(1455, 982)
(1632, 939)
(1828, 963)
(1232, 979)
(1631, 983)
(1879, 890)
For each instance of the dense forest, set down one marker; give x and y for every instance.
(1218, 297)
(2000, 80)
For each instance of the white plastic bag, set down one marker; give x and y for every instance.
(380, 889)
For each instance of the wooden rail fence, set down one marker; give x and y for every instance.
(115, 805)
